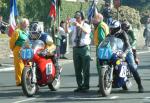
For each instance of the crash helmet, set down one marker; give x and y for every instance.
(125, 25)
(35, 31)
(115, 26)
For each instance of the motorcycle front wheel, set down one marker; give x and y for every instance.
(104, 81)
(55, 85)
(29, 88)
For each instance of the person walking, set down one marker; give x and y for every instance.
(101, 30)
(81, 50)
(17, 40)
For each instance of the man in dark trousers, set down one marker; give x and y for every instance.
(81, 50)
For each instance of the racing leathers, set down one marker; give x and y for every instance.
(49, 51)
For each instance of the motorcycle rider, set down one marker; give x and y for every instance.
(115, 28)
(126, 27)
(36, 33)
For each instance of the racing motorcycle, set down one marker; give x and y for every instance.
(38, 70)
(114, 72)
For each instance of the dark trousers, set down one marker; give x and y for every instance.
(133, 68)
(81, 58)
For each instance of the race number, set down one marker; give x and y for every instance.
(48, 68)
(123, 72)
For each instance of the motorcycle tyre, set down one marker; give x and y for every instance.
(26, 91)
(127, 85)
(102, 75)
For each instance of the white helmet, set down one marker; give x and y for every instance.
(115, 24)
(49, 40)
(35, 31)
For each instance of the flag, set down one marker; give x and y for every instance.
(52, 12)
(91, 11)
(13, 13)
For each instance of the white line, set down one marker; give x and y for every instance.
(114, 97)
(142, 52)
(7, 69)
(24, 100)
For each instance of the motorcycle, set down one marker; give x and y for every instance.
(114, 72)
(38, 70)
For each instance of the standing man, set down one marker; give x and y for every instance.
(81, 50)
(101, 30)
(16, 42)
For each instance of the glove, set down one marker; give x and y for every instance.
(124, 55)
(43, 53)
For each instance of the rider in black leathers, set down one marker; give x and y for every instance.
(115, 28)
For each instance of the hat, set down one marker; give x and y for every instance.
(77, 14)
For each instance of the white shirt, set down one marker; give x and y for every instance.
(85, 38)
(62, 31)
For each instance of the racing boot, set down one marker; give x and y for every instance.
(138, 81)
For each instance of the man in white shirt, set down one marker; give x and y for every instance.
(81, 50)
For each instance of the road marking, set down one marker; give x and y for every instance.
(114, 97)
(7, 69)
(12, 68)
(147, 99)
(25, 100)
(142, 52)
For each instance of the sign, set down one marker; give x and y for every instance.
(117, 4)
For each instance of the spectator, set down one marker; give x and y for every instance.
(101, 30)
(146, 33)
(16, 42)
(3, 25)
(63, 40)
(107, 13)
(81, 50)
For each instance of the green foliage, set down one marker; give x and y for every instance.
(130, 14)
(142, 5)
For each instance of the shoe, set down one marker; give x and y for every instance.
(64, 58)
(18, 85)
(78, 90)
(85, 89)
(141, 89)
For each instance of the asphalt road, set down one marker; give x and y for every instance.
(9, 93)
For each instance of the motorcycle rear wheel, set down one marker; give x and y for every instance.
(29, 88)
(104, 80)
(127, 85)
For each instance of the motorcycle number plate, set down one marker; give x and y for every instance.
(48, 68)
(123, 72)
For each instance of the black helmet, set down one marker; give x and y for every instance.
(125, 25)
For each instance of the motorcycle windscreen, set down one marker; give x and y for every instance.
(108, 46)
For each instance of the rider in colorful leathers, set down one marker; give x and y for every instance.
(50, 48)
(115, 28)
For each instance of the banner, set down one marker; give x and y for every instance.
(13, 13)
